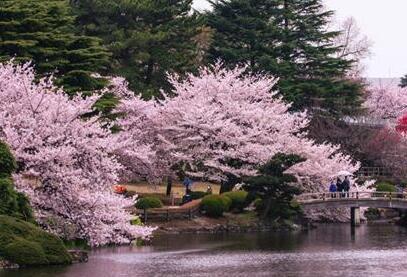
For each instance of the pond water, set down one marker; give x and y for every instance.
(329, 250)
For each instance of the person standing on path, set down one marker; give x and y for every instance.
(332, 189)
(346, 186)
(187, 183)
(339, 187)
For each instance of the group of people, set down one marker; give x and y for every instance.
(341, 187)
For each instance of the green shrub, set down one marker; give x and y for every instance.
(24, 243)
(198, 194)
(136, 221)
(24, 252)
(238, 199)
(227, 203)
(372, 214)
(7, 162)
(148, 203)
(213, 205)
(385, 187)
(165, 200)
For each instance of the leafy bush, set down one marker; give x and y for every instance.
(136, 221)
(198, 194)
(7, 162)
(227, 203)
(166, 200)
(149, 203)
(25, 244)
(385, 187)
(214, 205)
(372, 214)
(238, 199)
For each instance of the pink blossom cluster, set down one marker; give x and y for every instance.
(71, 158)
(215, 123)
(387, 101)
(223, 121)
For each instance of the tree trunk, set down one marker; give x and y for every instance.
(267, 208)
(169, 185)
(228, 185)
(149, 72)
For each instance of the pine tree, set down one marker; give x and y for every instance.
(287, 38)
(43, 31)
(403, 81)
(147, 38)
(275, 187)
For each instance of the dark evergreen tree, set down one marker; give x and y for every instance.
(43, 31)
(403, 81)
(286, 38)
(147, 38)
(275, 188)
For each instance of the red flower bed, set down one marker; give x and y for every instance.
(119, 189)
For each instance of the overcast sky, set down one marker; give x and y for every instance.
(384, 22)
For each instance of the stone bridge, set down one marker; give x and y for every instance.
(353, 200)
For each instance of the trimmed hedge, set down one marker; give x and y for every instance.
(148, 203)
(215, 205)
(25, 244)
(238, 199)
(198, 194)
(227, 203)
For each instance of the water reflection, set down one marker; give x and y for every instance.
(329, 250)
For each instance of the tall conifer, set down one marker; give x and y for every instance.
(147, 38)
(289, 39)
(43, 31)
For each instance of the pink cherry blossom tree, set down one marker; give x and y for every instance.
(224, 122)
(387, 101)
(67, 164)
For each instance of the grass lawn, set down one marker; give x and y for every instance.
(177, 188)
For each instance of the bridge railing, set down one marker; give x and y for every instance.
(329, 196)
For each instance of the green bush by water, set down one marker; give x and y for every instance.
(24, 243)
(372, 214)
(227, 203)
(238, 199)
(215, 205)
(149, 203)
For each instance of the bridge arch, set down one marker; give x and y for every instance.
(354, 201)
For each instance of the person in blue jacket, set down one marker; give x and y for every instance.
(332, 189)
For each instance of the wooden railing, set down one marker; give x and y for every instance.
(344, 196)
